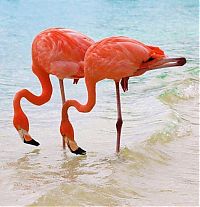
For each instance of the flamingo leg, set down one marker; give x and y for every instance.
(62, 91)
(119, 117)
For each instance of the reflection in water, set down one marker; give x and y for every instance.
(71, 168)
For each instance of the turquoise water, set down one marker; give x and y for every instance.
(158, 163)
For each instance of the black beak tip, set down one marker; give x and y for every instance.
(32, 142)
(79, 151)
(182, 61)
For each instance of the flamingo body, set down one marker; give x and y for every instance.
(55, 51)
(116, 58)
(60, 52)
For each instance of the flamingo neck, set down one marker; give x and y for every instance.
(20, 120)
(91, 89)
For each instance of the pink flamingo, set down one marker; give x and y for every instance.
(116, 58)
(55, 51)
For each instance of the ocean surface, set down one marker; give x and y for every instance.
(158, 162)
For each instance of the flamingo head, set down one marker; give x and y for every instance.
(26, 137)
(164, 62)
(151, 57)
(67, 132)
(157, 59)
(20, 122)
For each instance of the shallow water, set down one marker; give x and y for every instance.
(158, 162)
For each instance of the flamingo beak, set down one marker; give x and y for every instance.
(26, 138)
(167, 62)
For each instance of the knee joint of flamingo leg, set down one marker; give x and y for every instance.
(119, 123)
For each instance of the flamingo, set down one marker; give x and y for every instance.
(117, 58)
(55, 51)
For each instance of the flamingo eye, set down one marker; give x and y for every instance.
(150, 59)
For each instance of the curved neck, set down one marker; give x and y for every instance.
(91, 89)
(37, 100)
(19, 116)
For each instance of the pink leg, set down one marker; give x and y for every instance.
(119, 117)
(62, 91)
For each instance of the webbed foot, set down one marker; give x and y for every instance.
(76, 81)
(124, 84)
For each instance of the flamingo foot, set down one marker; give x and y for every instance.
(124, 84)
(27, 139)
(75, 81)
(74, 148)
